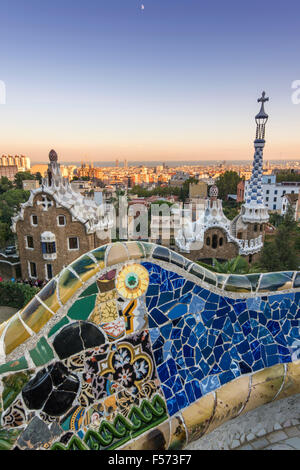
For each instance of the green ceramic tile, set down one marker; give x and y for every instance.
(14, 366)
(64, 321)
(12, 386)
(99, 253)
(238, 283)
(82, 308)
(42, 353)
(148, 247)
(85, 267)
(275, 281)
(8, 437)
(92, 289)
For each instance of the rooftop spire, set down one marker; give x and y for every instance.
(261, 118)
(254, 209)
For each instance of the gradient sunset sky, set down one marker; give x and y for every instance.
(178, 80)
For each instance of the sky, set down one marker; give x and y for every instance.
(99, 80)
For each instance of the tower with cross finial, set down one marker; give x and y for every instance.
(254, 211)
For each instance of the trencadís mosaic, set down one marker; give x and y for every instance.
(135, 347)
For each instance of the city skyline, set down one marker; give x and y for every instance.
(171, 81)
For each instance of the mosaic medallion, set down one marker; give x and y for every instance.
(132, 281)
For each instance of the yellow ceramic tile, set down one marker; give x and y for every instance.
(117, 254)
(35, 315)
(178, 436)
(139, 274)
(15, 335)
(156, 439)
(198, 416)
(85, 267)
(292, 381)
(265, 385)
(134, 250)
(230, 401)
(105, 296)
(104, 312)
(48, 296)
(68, 284)
(2, 327)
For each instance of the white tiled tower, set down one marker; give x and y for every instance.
(254, 210)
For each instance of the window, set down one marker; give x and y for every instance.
(61, 220)
(32, 269)
(274, 207)
(214, 241)
(275, 192)
(34, 220)
(255, 227)
(208, 241)
(29, 241)
(48, 248)
(49, 271)
(73, 243)
(275, 199)
(267, 192)
(283, 192)
(267, 199)
(269, 180)
(221, 241)
(261, 227)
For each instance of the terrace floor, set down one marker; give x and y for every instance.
(6, 313)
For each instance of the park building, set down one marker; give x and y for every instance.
(57, 225)
(212, 234)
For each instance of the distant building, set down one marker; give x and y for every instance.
(293, 201)
(22, 162)
(179, 178)
(42, 169)
(240, 191)
(9, 171)
(272, 191)
(29, 185)
(57, 225)
(198, 190)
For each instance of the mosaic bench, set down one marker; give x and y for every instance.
(133, 346)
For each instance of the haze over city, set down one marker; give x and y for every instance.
(164, 80)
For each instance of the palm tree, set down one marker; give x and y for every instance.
(236, 265)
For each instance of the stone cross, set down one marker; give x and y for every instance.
(45, 202)
(263, 99)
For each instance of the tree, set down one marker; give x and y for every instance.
(236, 265)
(227, 184)
(38, 177)
(21, 176)
(287, 175)
(5, 184)
(280, 254)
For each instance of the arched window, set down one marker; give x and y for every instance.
(208, 241)
(255, 227)
(221, 241)
(240, 235)
(214, 241)
(261, 227)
